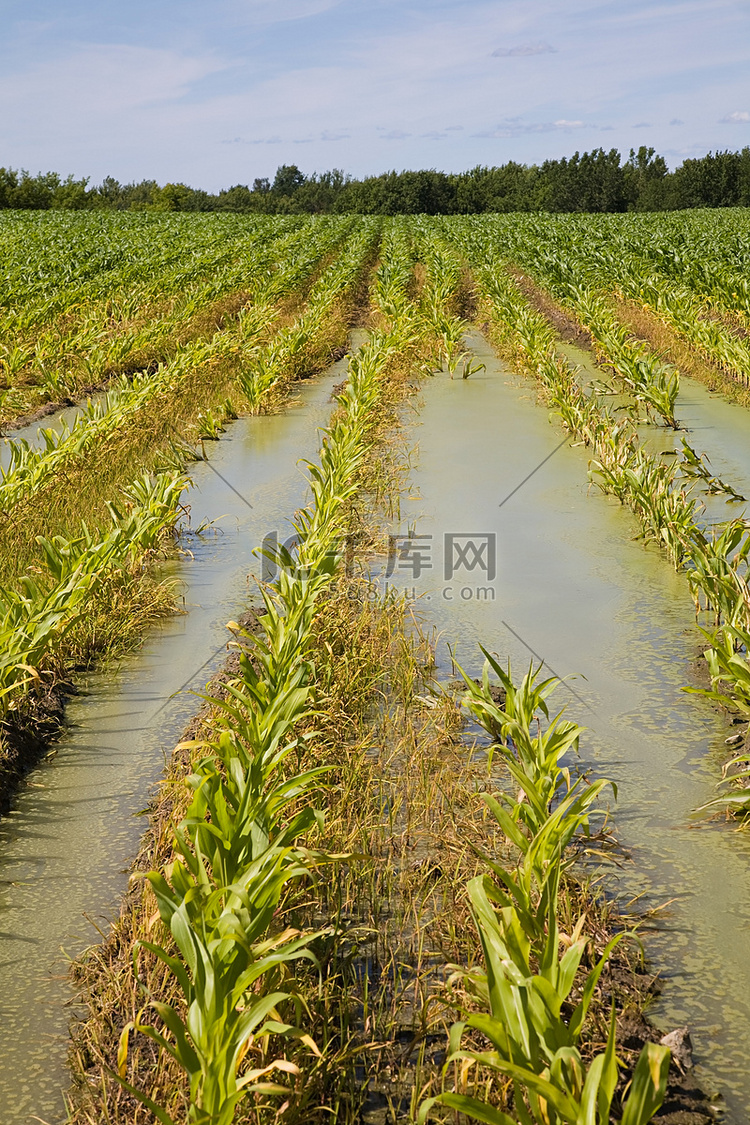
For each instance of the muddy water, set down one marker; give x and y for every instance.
(66, 847)
(574, 587)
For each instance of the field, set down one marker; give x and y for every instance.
(380, 880)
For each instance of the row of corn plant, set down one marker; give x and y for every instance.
(707, 252)
(119, 266)
(45, 616)
(642, 374)
(681, 310)
(609, 260)
(99, 338)
(29, 469)
(37, 619)
(616, 267)
(684, 289)
(714, 559)
(659, 493)
(239, 846)
(290, 351)
(522, 1035)
(93, 298)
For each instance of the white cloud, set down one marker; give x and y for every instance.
(349, 71)
(94, 81)
(739, 117)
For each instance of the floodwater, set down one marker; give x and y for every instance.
(575, 587)
(66, 846)
(712, 425)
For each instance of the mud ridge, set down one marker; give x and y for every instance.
(565, 325)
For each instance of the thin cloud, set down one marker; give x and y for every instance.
(275, 140)
(282, 11)
(676, 121)
(515, 127)
(643, 125)
(523, 51)
(145, 111)
(327, 135)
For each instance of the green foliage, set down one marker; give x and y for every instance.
(590, 182)
(36, 618)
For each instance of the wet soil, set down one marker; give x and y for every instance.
(28, 735)
(43, 411)
(213, 319)
(129, 370)
(685, 1102)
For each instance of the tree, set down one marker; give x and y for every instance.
(645, 180)
(288, 180)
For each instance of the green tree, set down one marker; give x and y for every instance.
(645, 180)
(288, 180)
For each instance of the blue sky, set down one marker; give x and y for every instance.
(217, 92)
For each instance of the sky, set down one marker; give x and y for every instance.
(219, 92)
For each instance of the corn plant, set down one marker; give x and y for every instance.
(36, 618)
(523, 990)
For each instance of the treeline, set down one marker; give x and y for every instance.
(589, 181)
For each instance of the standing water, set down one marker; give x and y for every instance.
(574, 587)
(66, 846)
